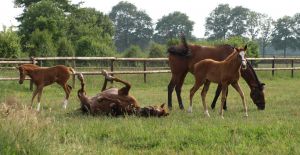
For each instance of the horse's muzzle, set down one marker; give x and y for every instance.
(244, 65)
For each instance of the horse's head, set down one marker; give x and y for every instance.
(157, 111)
(258, 96)
(241, 56)
(23, 74)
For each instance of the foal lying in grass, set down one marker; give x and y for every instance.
(225, 72)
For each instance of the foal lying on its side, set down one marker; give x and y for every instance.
(226, 72)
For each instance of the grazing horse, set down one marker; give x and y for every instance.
(182, 59)
(44, 76)
(115, 101)
(226, 72)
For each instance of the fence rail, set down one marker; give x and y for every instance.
(112, 66)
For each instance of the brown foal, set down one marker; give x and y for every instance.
(226, 72)
(44, 76)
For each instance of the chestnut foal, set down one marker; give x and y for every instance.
(44, 76)
(226, 72)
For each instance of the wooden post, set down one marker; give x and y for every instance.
(145, 75)
(33, 61)
(273, 66)
(73, 76)
(292, 68)
(112, 68)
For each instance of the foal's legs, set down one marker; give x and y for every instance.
(217, 94)
(236, 86)
(37, 89)
(203, 95)
(67, 91)
(40, 92)
(224, 90)
(196, 86)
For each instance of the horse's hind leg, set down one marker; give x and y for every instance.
(178, 87)
(203, 95)
(224, 90)
(67, 91)
(171, 87)
(35, 92)
(236, 86)
(40, 92)
(217, 94)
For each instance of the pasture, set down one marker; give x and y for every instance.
(56, 131)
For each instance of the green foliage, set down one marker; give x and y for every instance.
(132, 26)
(9, 44)
(239, 17)
(89, 46)
(134, 51)
(283, 36)
(65, 47)
(41, 44)
(157, 50)
(170, 27)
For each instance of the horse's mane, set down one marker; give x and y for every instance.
(180, 50)
(253, 72)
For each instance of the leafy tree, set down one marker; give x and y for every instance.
(170, 27)
(253, 24)
(266, 28)
(65, 47)
(41, 44)
(9, 44)
(238, 17)
(90, 27)
(133, 51)
(63, 4)
(218, 22)
(131, 26)
(157, 51)
(283, 36)
(296, 28)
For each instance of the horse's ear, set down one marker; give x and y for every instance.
(162, 106)
(245, 48)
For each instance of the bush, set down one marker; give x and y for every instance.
(134, 51)
(157, 50)
(89, 46)
(65, 47)
(41, 44)
(9, 44)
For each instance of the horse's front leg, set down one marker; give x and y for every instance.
(40, 92)
(203, 95)
(224, 90)
(33, 95)
(237, 87)
(171, 87)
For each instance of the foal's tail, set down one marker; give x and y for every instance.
(182, 50)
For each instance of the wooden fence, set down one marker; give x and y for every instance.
(112, 60)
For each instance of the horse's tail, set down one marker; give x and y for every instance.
(182, 50)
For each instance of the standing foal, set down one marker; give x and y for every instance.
(225, 72)
(44, 76)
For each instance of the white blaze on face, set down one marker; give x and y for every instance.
(244, 62)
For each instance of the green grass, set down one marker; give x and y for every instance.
(57, 131)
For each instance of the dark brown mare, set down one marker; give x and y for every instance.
(114, 101)
(44, 76)
(226, 72)
(182, 59)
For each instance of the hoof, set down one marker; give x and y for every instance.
(106, 75)
(190, 110)
(170, 108)
(246, 115)
(206, 114)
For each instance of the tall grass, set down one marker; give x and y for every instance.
(57, 131)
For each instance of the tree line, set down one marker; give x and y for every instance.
(59, 28)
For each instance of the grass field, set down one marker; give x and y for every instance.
(275, 130)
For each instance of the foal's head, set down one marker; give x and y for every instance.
(23, 70)
(156, 111)
(241, 56)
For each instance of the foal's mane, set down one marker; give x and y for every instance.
(29, 66)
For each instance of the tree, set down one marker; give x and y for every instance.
(157, 51)
(133, 51)
(283, 36)
(9, 44)
(253, 24)
(63, 4)
(131, 26)
(296, 28)
(266, 28)
(65, 47)
(92, 30)
(170, 27)
(238, 17)
(218, 22)
(41, 44)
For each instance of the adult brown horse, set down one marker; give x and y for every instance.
(182, 59)
(114, 101)
(226, 72)
(44, 76)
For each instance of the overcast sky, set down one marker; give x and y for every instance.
(197, 10)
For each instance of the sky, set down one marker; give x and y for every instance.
(197, 10)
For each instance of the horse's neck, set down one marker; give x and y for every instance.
(232, 63)
(250, 77)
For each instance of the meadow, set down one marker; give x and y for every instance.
(56, 131)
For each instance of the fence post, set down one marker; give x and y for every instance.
(33, 61)
(292, 68)
(112, 68)
(73, 76)
(273, 66)
(145, 75)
